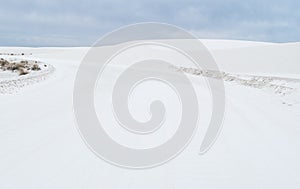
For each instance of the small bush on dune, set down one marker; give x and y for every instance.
(35, 67)
(24, 62)
(3, 62)
(23, 72)
(20, 66)
(12, 66)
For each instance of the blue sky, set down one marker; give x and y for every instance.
(81, 22)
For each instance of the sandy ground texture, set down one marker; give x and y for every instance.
(258, 146)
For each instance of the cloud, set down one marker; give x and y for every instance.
(81, 22)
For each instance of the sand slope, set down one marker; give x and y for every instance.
(257, 148)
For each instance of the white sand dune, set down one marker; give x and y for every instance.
(258, 146)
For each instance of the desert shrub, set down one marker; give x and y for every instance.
(12, 66)
(24, 62)
(35, 67)
(23, 71)
(20, 66)
(3, 62)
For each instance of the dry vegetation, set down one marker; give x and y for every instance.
(22, 68)
(15, 54)
(277, 84)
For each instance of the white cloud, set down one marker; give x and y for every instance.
(82, 21)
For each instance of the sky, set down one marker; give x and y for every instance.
(81, 22)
